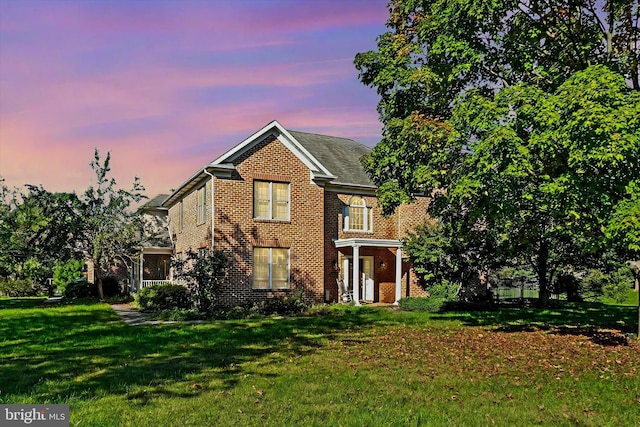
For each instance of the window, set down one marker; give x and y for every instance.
(270, 268)
(270, 200)
(357, 216)
(201, 206)
(181, 215)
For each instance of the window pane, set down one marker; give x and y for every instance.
(260, 284)
(281, 192)
(280, 210)
(280, 256)
(261, 209)
(356, 218)
(280, 284)
(261, 190)
(261, 255)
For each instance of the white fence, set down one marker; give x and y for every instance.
(146, 283)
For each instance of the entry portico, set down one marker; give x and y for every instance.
(355, 244)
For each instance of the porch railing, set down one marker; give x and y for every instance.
(146, 283)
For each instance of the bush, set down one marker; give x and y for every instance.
(618, 285)
(432, 303)
(64, 273)
(80, 288)
(18, 288)
(592, 284)
(178, 314)
(166, 296)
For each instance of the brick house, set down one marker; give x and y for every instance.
(295, 210)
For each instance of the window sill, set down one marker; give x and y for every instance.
(277, 221)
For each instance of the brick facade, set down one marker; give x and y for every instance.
(315, 222)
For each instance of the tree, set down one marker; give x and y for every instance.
(505, 120)
(110, 227)
(37, 229)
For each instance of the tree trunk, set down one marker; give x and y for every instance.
(541, 271)
(99, 284)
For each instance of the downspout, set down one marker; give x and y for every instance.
(213, 211)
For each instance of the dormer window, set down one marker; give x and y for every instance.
(357, 216)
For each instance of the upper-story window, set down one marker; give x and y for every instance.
(271, 200)
(181, 215)
(201, 205)
(357, 216)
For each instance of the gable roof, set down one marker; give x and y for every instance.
(341, 156)
(331, 160)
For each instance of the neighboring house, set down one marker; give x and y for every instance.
(151, 263)
(154, 263)
(295, 210)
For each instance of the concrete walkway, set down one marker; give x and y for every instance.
(131, 315)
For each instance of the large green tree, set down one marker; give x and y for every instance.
(111, 228)
(37, 229)
(498, 110)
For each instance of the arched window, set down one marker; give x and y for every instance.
(357, 216)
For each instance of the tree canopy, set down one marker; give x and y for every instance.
(521, 118)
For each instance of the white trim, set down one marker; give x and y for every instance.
(376, 243)
(274, 129)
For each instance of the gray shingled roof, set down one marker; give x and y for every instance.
(156, 202)
(341, 156)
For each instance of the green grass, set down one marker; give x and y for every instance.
(355, 367)
(632, 299)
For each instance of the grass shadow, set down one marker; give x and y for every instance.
(58, 354)
(593, 320)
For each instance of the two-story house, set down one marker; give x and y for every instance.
(295, 210)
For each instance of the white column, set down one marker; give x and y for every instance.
(398, 275)
(141, 271)
(356, 275)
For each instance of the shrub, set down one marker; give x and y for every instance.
(178, 314)
(166, 296)
(618, 285)
(64, 273)
(432, 303)
(204, 274)
(18, 288)
(80, 288)
(592, 284)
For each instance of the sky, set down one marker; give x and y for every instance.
(166, 86)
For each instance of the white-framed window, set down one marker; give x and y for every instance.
(270, 268)
(357, 216)
(271, 200)
(201, 205)
(181, 215)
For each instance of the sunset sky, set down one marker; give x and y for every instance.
(166, 86)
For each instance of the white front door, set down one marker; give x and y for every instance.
(366, 278)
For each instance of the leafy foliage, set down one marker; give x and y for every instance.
(80, 288)
(204, 274)
(111, 228)
(11, 287)
(37, 229)
(618, 285)
(518, 121)
(65, 272)
(165, 296)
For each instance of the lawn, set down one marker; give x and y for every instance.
(355, 367)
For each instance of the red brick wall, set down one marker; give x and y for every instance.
(237, 232)
(193, 235)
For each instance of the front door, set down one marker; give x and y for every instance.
(366, 285)
(366, 278)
